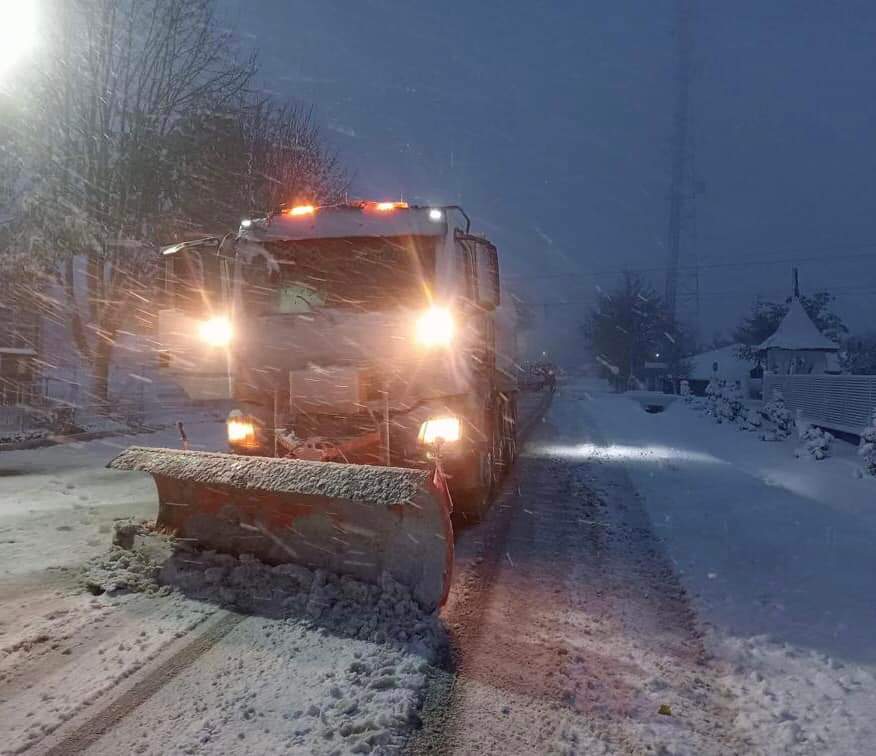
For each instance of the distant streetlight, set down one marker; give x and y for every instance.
(18, 31)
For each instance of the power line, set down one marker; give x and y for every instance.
(853, 291)
(702, 266)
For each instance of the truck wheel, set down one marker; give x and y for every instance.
(472, 504)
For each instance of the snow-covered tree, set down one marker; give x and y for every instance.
(867, 448)
(779, 416)
(713, 393)
(628, 326)
(858, 355)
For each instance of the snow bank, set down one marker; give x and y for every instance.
(385, 613)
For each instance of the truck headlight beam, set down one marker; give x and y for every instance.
(216, 332)
(435, 327)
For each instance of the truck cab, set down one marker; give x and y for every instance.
(366, 333)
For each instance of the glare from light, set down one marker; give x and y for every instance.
(435, 327)
(300, 210)
(18, 19)
(240, 431)
(435, 214)
(215, 332)
(622, 453)
(246, 223)
(443, 429)
(385, 207)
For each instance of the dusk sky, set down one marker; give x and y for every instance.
(551, 124)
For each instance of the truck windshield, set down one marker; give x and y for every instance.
(354, 273)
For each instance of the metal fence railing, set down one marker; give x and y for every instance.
(839, 402)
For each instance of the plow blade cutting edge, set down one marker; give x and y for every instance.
(357, 520)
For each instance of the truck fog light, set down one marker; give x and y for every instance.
(241, 430)
(444, 429)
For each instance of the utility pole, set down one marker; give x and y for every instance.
(682, 295)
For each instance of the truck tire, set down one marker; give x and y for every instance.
(472, 504)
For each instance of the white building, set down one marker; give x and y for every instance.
(798, 347)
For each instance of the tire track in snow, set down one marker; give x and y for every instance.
(91, 731)
(570, 628)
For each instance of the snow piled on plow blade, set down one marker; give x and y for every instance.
(358, 520)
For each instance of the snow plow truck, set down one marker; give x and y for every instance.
(370, 367)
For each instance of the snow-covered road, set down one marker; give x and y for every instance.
(645, 583)
(569, 626)
(661, 559)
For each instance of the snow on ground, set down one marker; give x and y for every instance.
(305, 662)
(311, 663)
(85, 648)
(57, 504)
(778, 555)
(321, 665)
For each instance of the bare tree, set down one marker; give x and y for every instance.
(288, 159)
(121, 76)
(246, 160)
(140, 127)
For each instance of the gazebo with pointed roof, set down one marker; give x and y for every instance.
(798, 346)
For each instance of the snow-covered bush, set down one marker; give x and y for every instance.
(816, 442)
(867, 449)
(779, 416)
(750, 420)
(729, 404)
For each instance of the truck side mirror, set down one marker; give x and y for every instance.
(488, 291)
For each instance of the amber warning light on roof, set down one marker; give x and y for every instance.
(299, 210)
(385, 207)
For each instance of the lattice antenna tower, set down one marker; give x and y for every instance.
(682, 295)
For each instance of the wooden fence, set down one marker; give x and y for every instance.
(836, 402)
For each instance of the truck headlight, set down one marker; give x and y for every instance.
(215, 331)
(443, 429)
(241, 430)
(435, 327)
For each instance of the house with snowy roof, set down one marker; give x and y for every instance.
(798, 347)
(723, 364)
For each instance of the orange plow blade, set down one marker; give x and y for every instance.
(357, 520)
